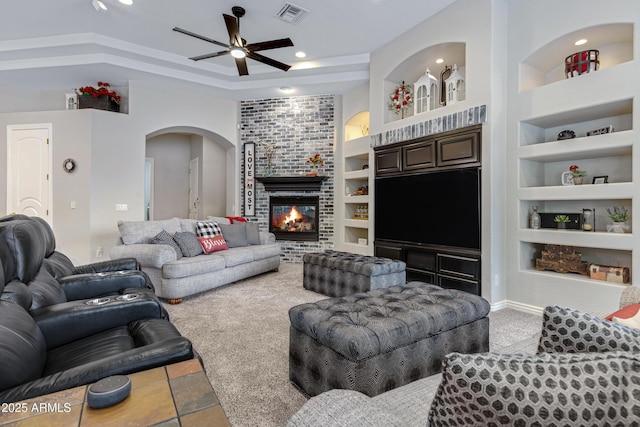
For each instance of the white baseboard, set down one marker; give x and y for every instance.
(526, 308)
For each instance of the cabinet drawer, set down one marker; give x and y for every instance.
(421, 260)
(392, 252)
(448, 282)
(418, 156)
(388, 161)
(459, 149)
(460, 266)
(420, 276)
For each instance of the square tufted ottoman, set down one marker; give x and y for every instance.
(378, 340)
(336, 274)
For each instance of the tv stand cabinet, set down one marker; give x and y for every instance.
(447, 266)
(451, 268)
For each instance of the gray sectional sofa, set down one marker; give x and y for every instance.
(176, 277)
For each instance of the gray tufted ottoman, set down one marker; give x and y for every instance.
(374, 341)
(336, 274)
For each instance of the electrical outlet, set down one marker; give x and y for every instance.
(73, 204)
(122, 207)
(99, 252)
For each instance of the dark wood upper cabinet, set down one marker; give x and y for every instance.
(388, 161)
(459, 149)
(421, 155)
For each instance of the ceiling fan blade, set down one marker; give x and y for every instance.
(241, 63)
(268, 61)
(210, 55)
(198, 36)
(271, 44)
(233, 28)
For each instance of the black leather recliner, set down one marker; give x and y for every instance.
(78, 342)
(51, 277)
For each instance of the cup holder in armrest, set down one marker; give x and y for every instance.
(127, 297)
(98, 301)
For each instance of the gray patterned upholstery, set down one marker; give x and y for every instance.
(375, 341)
(565, 330)
(550, 389)
(336, 274)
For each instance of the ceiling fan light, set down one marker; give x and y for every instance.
(238, 52)
(126, 2)
(99, 6)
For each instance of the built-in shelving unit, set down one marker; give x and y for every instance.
(357, 220)
(546, 103)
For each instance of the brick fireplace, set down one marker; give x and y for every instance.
(294, 218)
(297, 128)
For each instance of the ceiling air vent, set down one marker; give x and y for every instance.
(291, 13)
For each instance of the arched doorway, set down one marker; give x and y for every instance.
(174, 187)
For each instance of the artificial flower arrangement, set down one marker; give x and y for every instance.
(576, 172)
(104, 89)
(401, 98)
(316, 160)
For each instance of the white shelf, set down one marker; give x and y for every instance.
(616, 190)
(580, 238)
(613, 144)
(356, 223)
(356, 199)
(357, 174)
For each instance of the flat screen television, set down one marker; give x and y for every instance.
(437, 208)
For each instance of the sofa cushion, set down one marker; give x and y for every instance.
(207, 229)
(235, 235)
(144, 231)
(189, 244)
(164, 238)
(264, 251)
(236, 256)
(193, 266)
(545, 389)
(253, 233)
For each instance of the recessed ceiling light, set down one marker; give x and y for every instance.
(301, 54)
(439, 61)
(286, 89)
(580, 42)
(99, 6)
(127, 2)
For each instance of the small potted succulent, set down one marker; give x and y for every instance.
(561, 220)
(619, 215)
(577, 174)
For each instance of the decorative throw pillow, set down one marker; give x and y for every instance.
(235, 235)
(253, 233)
(164, 238)
(210, 237)
(544, 389)
(625, 312)
(565, 330)
(632, 322)
(189, 244)
(213, 244)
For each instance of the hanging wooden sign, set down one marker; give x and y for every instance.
(249, 179)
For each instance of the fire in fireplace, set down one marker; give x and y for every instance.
(294, 218)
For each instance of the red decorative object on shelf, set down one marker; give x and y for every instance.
(581, 62)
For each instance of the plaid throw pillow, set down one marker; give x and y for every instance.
(208, 229)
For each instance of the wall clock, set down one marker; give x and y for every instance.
(69, 165)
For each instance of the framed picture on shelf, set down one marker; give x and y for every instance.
(601, 179)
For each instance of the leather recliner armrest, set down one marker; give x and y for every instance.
(70, 321)
(163, 352)
(109, 265)
(84, 286)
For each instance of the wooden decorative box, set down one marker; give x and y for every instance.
(609, 274)
(562, 259)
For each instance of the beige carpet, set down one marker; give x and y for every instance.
(242, 333)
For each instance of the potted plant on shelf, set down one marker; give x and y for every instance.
(315, 160)
(619, 216)
(577, 174)
(101, 98)
(561, 220)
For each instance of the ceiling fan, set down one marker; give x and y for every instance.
(238, 47)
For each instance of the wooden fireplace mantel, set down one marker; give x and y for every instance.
(292, 183)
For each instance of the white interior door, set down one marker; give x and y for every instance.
(28, 170)
(194, 199)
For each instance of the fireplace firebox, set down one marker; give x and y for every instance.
(294, 218)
